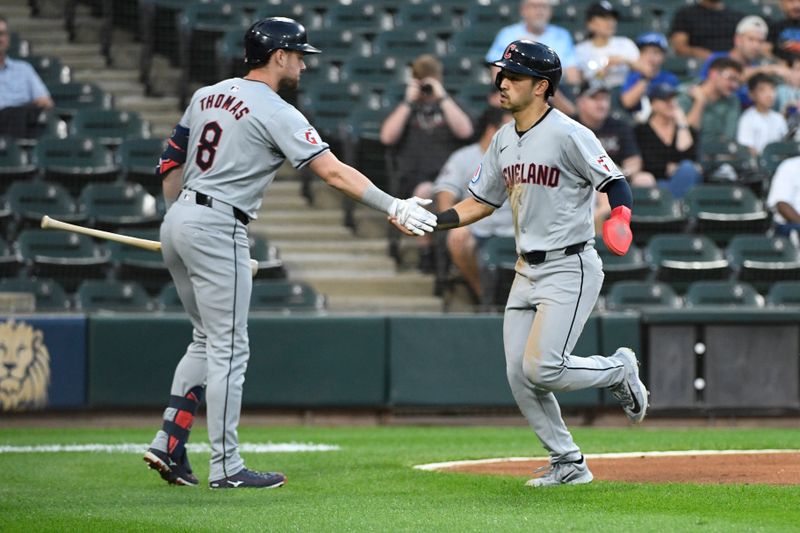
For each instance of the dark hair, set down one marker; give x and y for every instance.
(723, 63)
(3, 18)
(491, 116)
(756, 79)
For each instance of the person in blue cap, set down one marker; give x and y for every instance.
(653, 48)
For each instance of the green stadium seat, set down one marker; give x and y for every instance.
(404, 45)
(74, 162)
(784, 294)
(138, 264)
(722, 293)
(93, 296)
(474, 97)
(468, 43)
(50, 125)
(683, 259)
(329, 105)
(338, 44)
(50, 296)
(489, 18)
(70, 98)
(110, 205)
(285, 296)
(229, 50)
(655, 211)
(31, 200)
(684, 67)
(496, 261)
(67, 257)
(50, 69)
(137, 160)
(14, 163)
(270, 264)
(168, 299)
(359, 16)
(369, 154)
(641, 294)
(628, 267)
(763, 260)
(9, 261)
(776, 153)
(722, 159)
(108, 126)
(434, 18)
(465, 71)
(723, 211)
(18, 47)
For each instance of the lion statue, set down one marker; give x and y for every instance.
(24, 367)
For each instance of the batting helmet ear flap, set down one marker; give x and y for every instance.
(498, 80)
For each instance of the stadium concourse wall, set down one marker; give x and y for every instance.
(724, 359)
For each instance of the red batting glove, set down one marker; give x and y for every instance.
(617, 230)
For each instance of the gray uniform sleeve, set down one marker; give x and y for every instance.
(487, 184)
(590, 160)
(296, 138)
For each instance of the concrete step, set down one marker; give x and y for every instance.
(14, 9)
(121, 88)
(380, 305)
(272, 201)
(43, 40)
(106, 74)
(361, 247)
(299, 233)
(161, 131)
(300, 263)
(305, 217)
(362, 284)
(27, 26)
(143, 104)
(284, 187)
(82, 61)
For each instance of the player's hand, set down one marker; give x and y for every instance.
(412, 91)
(412, 215)
(617, 230)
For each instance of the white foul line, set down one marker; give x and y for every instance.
(201, 447)
(625, 455)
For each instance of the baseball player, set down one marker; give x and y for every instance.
(546, 165)
(226, 149)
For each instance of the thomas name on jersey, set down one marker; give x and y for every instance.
(226, 102)
(534, 175)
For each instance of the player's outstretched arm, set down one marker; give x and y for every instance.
(410, 213)
(465, 212)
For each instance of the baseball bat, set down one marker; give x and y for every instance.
(147, 244)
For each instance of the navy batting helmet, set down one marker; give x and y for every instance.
(531, 59)
(270, 34)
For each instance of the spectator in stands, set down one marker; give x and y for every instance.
(424, 129)
(616, 136)
(464, 243)
(787, 94)
(749, 49)
(668, 143)
(703, 28)
(784, 35)
(711, 106)
(535, 25)
(603, 55)
(653, 50)
(784, 198)
(22, 92)
(760, 125)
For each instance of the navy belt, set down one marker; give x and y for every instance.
(540, 256)
(206, 200)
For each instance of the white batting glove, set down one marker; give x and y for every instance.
(411, 214)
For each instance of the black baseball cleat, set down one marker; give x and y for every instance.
(250, 479)
(174, 473)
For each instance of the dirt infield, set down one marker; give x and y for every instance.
(744, 468)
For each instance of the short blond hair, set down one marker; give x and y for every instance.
(426, 66)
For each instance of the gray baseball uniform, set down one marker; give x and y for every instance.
(548, 173)
(240, 132)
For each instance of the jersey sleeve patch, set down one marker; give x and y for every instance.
(477, 175)
(309, 135)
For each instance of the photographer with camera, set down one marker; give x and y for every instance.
(422, 131)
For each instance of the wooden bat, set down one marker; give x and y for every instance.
(147, 244)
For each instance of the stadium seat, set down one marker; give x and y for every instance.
(763, 260)
(108, 126)
(655, 211)
(404, 45)
(338, 44)
(137, 160)
(373, 72)
(18, 47)
(776, 153)
(726, 161)
(285, 296)
(14, 163)
(270, 265)
(722, 211)
(784, 294)
(50, 296)
(722, 293)
(434, 18)
(138, 264)
(67, 257)
(496, 262)
(9, 261)
(96, 295)
(465, 71)
(641, 294)
(168, 299)
(468, 43)
(328, 106)
(358, 16)
(110, 205)
(31, 200)
(489, 18)
(50, 69)
(70, 98)
(628, 267)
(684, 67)
(682, 259)
(74, 162)
(475, 97)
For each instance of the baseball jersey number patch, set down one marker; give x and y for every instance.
(207, 147)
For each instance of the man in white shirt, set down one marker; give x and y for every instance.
(760, 124)
(605, 56)
(784, 197)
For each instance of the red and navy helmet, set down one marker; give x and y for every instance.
(531, 59)
(270, 34)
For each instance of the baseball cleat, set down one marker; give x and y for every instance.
(631, 392)
(179, 473)
(246, 479)
(567, 473)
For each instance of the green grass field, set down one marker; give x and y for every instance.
(369, 485)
